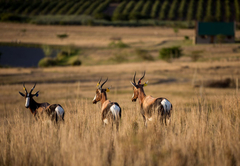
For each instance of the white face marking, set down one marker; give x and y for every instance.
(94, 97)
(150, 119)
(133, 95)
(166, 105)
(27, 101)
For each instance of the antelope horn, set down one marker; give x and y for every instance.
(104, 82)
(33, 88)
(139, 82)
(134, 78)
(24, 87)
(99, 82)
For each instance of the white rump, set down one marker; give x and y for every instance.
(166, 105)
(115, 110)
(59, 110)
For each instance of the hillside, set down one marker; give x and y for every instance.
(118, 10)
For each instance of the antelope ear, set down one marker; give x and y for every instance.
(133, 84)
(21, 94)
(145, 84)
(36, 94)
(97, 84)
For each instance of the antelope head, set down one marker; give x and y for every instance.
(100, 92)
(137, 88)
(28, 96)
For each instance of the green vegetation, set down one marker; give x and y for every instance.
(47, 62)
(237, 10)
(170, 52)
(172, 12)
(164, 10)
(227, 10)
(199, 14)
(118, 44)
(155, 9)
(185, 10)
(147, 9)
(182, 10)
(209, 17)
(62, 36)
(143, 55)
(190, 15)
(69, 55)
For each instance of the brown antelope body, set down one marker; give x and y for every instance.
(55, 111)
(150, 105)
(110, 111)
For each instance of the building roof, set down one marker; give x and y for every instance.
(216, 28)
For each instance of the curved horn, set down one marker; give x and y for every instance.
(134, 78)
(139, 82)
(24, 87)
(33, 88)
(99, 82)
(104, 82)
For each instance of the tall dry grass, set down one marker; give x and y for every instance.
(206, 131)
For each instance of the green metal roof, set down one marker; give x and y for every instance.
(216, 28)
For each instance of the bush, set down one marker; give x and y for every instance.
(47, 62)
(144, 55)
(186, 37)
(170, 52)
(118, 44)
(76, 62)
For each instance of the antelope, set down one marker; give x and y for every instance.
(150, 105)
(110, 111)
(55, 111)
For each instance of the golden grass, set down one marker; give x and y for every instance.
(205, 132)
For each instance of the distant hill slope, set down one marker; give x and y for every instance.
(181, 10)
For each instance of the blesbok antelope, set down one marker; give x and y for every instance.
(150, 105)
(55, 111)
(110, 111)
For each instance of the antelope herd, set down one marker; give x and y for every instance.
(110, 111)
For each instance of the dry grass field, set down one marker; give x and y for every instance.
(205, 128)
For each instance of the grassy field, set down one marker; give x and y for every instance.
(205, 128)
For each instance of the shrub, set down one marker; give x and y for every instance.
(186, 37)
(170, 52)
(76, 62)
(118, 44)
(47, 62)
(62, 36)
(144, 55)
